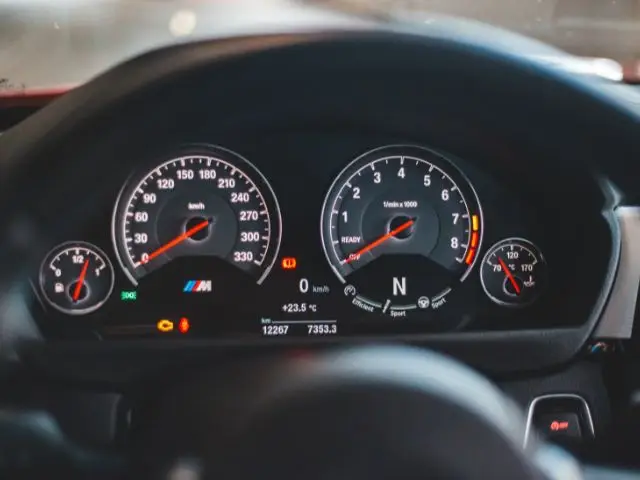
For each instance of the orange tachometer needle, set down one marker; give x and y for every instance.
(507, 272)
(375, 243)
(176, 241)
(80, 282)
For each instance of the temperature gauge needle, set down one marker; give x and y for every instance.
(375, 243)
(176, 241)
(80, 282)
(509, 275)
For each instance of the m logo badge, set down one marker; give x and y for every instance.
(198, 286)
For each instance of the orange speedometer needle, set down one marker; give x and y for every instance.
(80, 282)
(507, 272)
(375, 243)
(176, 241)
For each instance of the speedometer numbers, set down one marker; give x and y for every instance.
(513, 272)
(206, 202)
(401, 227)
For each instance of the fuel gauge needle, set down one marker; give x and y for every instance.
(509, 275)
(80, 281)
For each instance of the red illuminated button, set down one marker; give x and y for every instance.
(556, 425)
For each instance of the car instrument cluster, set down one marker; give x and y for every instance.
(206, 241)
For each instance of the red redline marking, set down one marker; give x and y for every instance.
(507, 272)
(470, 256)
(474, 239)
(83, 273)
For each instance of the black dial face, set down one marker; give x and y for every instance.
(513, 272)
(76, 278)
(401, 227)
(206, 202)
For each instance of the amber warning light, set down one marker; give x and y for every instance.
(289, 263)
(166, 325)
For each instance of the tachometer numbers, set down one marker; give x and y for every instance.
(76, 278)
(401, 228)
(513, 272)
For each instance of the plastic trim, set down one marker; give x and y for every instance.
(573, 396)
(619, 314)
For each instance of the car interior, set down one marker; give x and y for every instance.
(355, 251)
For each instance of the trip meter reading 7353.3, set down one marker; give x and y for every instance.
(401, 227)
(203, 202)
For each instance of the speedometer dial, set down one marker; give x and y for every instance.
(401, 227)
(204, 202)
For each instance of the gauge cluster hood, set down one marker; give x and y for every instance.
(450, 45)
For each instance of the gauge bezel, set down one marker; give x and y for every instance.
(66, 246)
(216, 153)
(532, 248)
(377, 154)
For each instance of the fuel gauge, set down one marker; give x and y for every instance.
(76, 278)
(513, 272)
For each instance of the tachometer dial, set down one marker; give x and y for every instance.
(204, 202)
(401, 227)
(513, 272)
(76, 278)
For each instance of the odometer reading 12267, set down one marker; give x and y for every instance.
(206, 202)
(401, 227)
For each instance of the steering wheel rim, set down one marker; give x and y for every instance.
(325, 416)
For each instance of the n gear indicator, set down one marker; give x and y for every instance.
(402, 225)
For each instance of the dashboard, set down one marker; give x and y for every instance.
(469, 174)
(304, 235)
(470, 217)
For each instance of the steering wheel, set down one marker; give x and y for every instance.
(367, 412)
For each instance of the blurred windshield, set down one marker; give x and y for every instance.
(48, 44)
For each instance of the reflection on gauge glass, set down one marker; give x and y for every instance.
(76, 278)
(204, 202)
(513, 272)
(401, 227)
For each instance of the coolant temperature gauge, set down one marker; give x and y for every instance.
(76, 278)
(513, 272)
